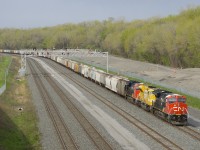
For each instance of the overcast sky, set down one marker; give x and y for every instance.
(42, 13)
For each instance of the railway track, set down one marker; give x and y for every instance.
(168, 144)
(191, 132)
(92, 132)
(187, 130)
(62, 130)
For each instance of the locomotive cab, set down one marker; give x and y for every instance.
(129, 89)
(171, 107)
(176, 108)
(160, 102)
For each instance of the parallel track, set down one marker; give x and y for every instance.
(92, 132)
(194, 134)
(62, 130)
(168, 144)
(191, 132)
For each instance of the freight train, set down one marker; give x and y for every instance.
(169, 106)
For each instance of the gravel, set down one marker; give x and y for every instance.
(184, 80)
(165, 129)
(50, 140)
(168, 131)
(78, 133)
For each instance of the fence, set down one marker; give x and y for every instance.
(3, 87)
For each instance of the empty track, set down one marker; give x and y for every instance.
(191, 132)
(62, 130)
(92, 132)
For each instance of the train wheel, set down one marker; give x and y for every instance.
(133, 101)
(168, 118)
(125, 96)
(151, 109)
(147, 108)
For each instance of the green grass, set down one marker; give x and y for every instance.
(4, 63)
(191, 100)
(18, 129)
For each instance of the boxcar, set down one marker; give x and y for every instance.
(76, 67)
(92, 73)
(80, 68)
(114, 81)
(53, 57)
(98, 76)
(85, 71)
(101, 77)
(6, 51)
(73, 65)
(122, 83)
(108, 81)
(59, 60)
(116, 84)
(65, 62)
(15, 51)
(69, 64)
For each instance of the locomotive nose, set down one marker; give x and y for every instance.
(179, 108)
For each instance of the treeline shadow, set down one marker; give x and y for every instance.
(11, 137)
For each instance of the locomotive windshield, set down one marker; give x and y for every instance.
(181, 99)
(172, 100)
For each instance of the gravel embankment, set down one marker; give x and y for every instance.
(185, 80)
(169, 131)
(49, 138)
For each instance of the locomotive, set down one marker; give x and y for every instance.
(165, 104)
(171, 106)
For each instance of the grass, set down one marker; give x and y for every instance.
(4, 63)
(18, 129)
(191, 100)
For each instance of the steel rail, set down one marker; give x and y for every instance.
(165, 142)
(62, 130)
(92, 132)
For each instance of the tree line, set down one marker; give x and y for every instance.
(172, 41)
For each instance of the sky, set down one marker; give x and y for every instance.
(25, 14)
